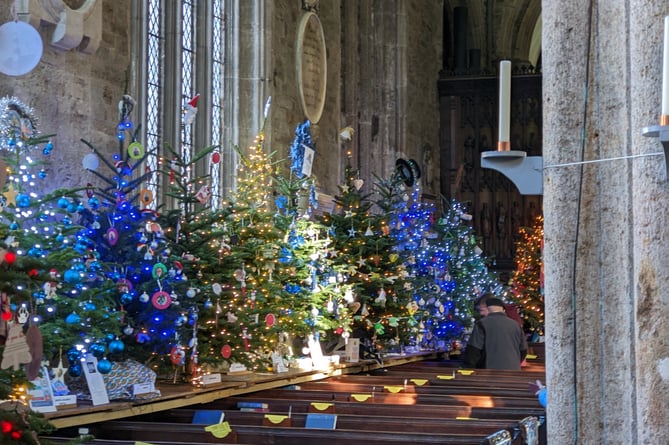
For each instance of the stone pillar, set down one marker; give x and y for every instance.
(606, 229)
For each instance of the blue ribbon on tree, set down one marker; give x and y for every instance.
(302, 138)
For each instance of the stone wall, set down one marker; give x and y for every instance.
(75, 95)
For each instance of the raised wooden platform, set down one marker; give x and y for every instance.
(179, 396)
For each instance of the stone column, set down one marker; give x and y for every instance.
(605, 223)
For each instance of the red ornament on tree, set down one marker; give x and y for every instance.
(10, 257)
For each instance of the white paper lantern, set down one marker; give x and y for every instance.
(20, 48)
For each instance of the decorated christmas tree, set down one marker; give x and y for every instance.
(527, 280)
(249, 306)
(409, 220)
(323, 282)
(361, 234)
(137, 286)
(190, 236)
(36, 246)
(461, 274)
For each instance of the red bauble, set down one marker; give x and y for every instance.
(33, 273)
(16, 435)
(6, 316)
(5, 426)
(10, 257)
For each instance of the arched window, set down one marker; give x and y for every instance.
(183, 50)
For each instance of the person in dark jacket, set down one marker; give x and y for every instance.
(496, 341)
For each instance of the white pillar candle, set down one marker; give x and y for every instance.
(504, 100)
(665, 69)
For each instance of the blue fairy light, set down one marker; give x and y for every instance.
(47, 148)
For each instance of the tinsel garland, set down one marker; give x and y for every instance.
(302, 138)
(18, 123)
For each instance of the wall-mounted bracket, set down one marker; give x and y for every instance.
(526, 172)
(661, 132)
(72, 28)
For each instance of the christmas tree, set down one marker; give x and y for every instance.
(461, 274)
(34, 233)
(409, 224)
(189, 235)
(527, 279)
(135, 312)
(364, 245)
(324, 291)
(250, 305)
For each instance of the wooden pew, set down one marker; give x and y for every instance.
(180, 433)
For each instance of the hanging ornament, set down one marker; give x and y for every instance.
(369, 231)
(270, 320)
(91, 161)
(23, 315)
(59, 372)
(161, 300)
(145, 197)
(216, 288)
(17, 351)
(203, 194)
(135, 150)
(112, 236)
(190, 110)
(116, 346)
(246, 336)
(20, 48)
(178, 355)
(226, 351)
(159, 270)
(104, 366)
(36, 347)
(358, 183)
(73, 318)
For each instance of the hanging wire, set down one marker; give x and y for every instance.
(579, 200)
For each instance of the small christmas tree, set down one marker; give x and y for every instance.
(527, 279)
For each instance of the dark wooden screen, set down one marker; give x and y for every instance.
(469, 126)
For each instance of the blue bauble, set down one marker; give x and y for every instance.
(104, 366)
(73, 318)
(63, 202)
(109, 338)
(90, 306)
(73, 355)
(543, 397)
(126, 299)
(72, 276)
(66, 221)
(47, 149)
(71, 207)
(35, 252)
(42, 174)
(98, 349)
(93, 203)
(75, 370)
(23, 200)
(116, 346)
(13, 226)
